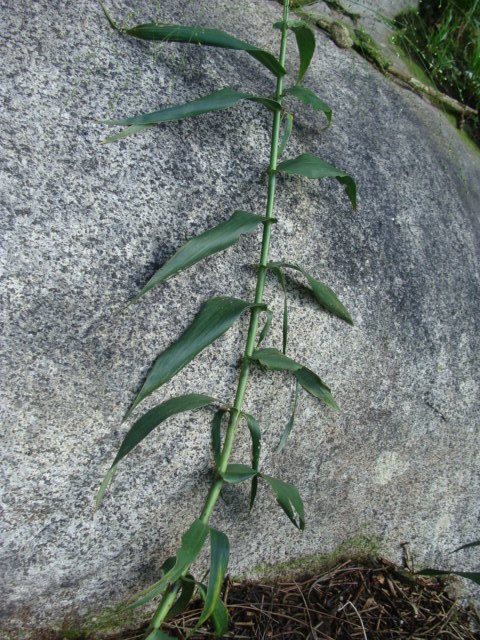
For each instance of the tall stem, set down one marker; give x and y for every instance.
(235, 412)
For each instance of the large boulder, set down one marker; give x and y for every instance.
(84, 225)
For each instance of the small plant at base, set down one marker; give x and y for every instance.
(176, 585)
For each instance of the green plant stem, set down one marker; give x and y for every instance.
(236, 411)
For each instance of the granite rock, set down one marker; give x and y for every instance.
(85, 224)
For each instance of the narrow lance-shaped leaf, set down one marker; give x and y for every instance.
(291, 421)
(275, 361)
(186, 587)
(289, 499)
(287, 132)
(199, 35)
(236, 473)
(217, 435)
(305, 38)
(311, 99)
(220, 614)
(216, 239)
(476, 543)
(214, 318)
(469, 575)
(281, 279)
(256, 437)
(313, 167)
(266, 326)
(216, 101)
(145, 425)
(192, 543)
(219, 554)
(325, 296)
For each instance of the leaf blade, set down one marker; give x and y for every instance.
(209, 242)
(289, 500)
(219, 555)
(215, 317)
(217, 434)
(289, 426)
(287, 132)
(305, 38)
(311, 99)
(315, 387)
(256, 438)
(275, 360)
(314, 168)
(469, 575)
(236, 473)
(198, 35)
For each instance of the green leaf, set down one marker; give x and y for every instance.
(266, 326)
(144, 425)
(236, 473)
(198, 35)
(214, 318)
(289, 499)
(281, 279)
(313, 167)
(219, 615)
(187, 587)
(124, 133)
(325, 296)
(219, 554)
(311, 99)
(475, 577)
(467, 546)
(192, 543)
(315, 387)
(216, 101)
(217, 239)
(305, 38)
(256, 437)
(217, 435)
(291, 421)
(287, 132)
(274, 360)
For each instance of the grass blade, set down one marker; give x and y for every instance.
(475, 577)
(311, 99)
(289, 499)
(198, 35)
(467, 546)
(187, 587)
(266, 327)
(313, 167)
(217, 435)
(274, 360)
(256, 437)
(219, 554)
(219, 615)
(325, 296)
(315, 387)
(236, 473)
(217, 239)
(291, 421)
(214, 318)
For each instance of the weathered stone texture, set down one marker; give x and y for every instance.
(83, 225)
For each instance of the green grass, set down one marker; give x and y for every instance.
(443, 37)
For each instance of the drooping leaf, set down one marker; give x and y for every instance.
(236, 473)
(256, 437)
(291, 421)
(311, 99)
(217, 434)
(219, 554)
(289, 499)
(187, 587)
(476, 543)
(325, 296)
(313, 167)
(274, 360)
(469, 575)
(217, 239)
(287, 132)
(219, 615)
(199, 35)
(144, 425)
(216, 101)
(266, 326)
(214, 318)
(305, 38)
(192, 543)
(315, 387)
(281, 279)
